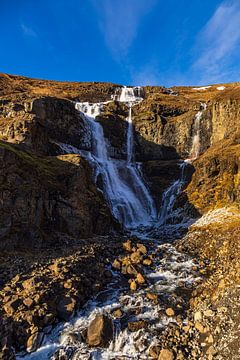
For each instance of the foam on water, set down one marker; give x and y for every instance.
(170, 272)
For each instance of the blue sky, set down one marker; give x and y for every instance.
(135, 42)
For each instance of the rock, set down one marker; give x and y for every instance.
(154, 351)
(199, 327)
(166, 354)
(136, 257)
(100, 331)
(208, 313)
(198, 316)
(133, 285)
(142, 248)
(116, 264)
(147, 262)
(12, 306)
(127, 245)
(28, 302)
(131, 270)
(210, 339)
(117, 314)
(152, 296)
(137, 325)
(170, 312)
(66, 307)
(140, 279)
(34, 342)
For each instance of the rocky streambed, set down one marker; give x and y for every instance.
(149, 293)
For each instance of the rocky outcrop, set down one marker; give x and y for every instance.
(46, 199)
(215, 182)
(40, 123)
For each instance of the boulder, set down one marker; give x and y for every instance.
(100, 331)
(166, 354)
(34, 342)
(66, 307)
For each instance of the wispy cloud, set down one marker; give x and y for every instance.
(146, 75)
(218, 42)
(120, 21)
(28, 31)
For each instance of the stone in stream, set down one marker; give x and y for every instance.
(170, 312)
(136, 257)
(137, 325)
(147, 262)
(34, 341)
(100, 331)
(117, 313)
(142, 248)
(140, 279)
(152, 297)
(127, 245)
(166, 354)
(133, 285)
(66, 307)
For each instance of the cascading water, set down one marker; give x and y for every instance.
(170, 195)
(122, 184)
(196, 144)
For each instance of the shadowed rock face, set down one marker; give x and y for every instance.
(44, 200)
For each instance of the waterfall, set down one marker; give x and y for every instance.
(196, 143)
(121, 181)
(170, 195)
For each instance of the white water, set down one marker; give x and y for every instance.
(122, 183)
(170, 195)
(171, 271)
(196, 141)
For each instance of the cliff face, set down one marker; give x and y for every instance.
(37, 115)
(46, 200)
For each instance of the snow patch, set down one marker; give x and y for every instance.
(202, 88)
(221, 88)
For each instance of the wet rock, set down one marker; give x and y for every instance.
(147, 262)
(137, 325)
(34, 342)
(117, 314)
(170, 312)
(100, 331)
(12, 306)
(131, 270)
(133, 285)
(154, 351)
(166, 354)
(142, 248)
(136, 257)
(140, 279)
(152, 297)
(116, 264)
(66, 307)
(127, 245)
